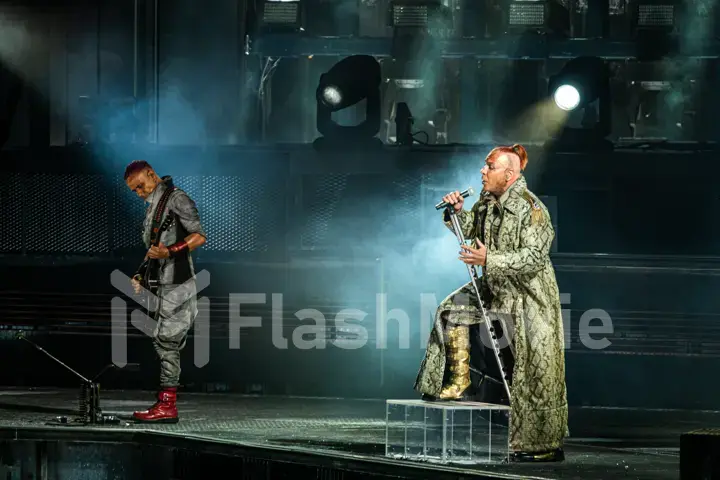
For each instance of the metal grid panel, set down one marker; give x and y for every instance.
(241, 214)
(408, 208)
(321, 196)
(656, 15)
(231, 209)
(66, 213)
(527, 14)
(410, 15)
(281, 13)
(375, 206)
(193, 186)
(128, 211)
(11, 198)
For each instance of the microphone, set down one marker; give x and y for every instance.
(467, 193)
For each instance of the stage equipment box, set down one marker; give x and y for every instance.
(447, 432)
(700, 454)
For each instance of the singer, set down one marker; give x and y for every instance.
(177, 291)
(511, 235)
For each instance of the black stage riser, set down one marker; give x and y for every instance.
(700, 454)
(149, 455)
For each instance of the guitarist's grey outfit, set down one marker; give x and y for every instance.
(177, 292)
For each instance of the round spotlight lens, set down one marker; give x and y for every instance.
(567, 97)
(331, 96)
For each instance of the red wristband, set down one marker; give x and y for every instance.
(177, 248)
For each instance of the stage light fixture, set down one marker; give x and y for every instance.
(582, 88)
(567, 97)
(347, 83)
(580, 82)
(403, 124)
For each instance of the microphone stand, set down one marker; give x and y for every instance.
(89, 410)
(472, 271)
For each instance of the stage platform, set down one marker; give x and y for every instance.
(293, 437)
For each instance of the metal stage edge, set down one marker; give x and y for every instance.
(335, 463)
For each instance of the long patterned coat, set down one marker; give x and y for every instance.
(518, 280)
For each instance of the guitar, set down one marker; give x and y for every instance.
(148, 271)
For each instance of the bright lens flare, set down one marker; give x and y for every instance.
(331, 96)
(567, 97)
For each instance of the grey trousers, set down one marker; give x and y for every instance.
(175, 316)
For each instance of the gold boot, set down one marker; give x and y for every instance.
(458, 356)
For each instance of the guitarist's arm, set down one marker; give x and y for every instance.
(187, 214)
(193, 241)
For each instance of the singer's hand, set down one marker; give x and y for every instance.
(454, 199)
(474, 256)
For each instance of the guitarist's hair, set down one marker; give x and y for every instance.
(136, 166)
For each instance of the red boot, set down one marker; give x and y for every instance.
(164, 410)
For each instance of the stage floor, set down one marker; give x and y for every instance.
(604, 443)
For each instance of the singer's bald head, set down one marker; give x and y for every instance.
(513, 162)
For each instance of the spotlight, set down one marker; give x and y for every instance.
(567, 97)
(331, 96)
(582, 87)
(580, 82)
(350, 81)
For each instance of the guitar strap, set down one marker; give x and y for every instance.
(155, 234)
(157, 215)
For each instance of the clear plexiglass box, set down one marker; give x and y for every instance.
(447, 432)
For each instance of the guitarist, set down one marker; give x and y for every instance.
(169, 251)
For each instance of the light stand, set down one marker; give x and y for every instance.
(89, 411)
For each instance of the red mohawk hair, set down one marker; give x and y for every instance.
(516, 149)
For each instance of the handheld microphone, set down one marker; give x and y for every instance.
(467, 193)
